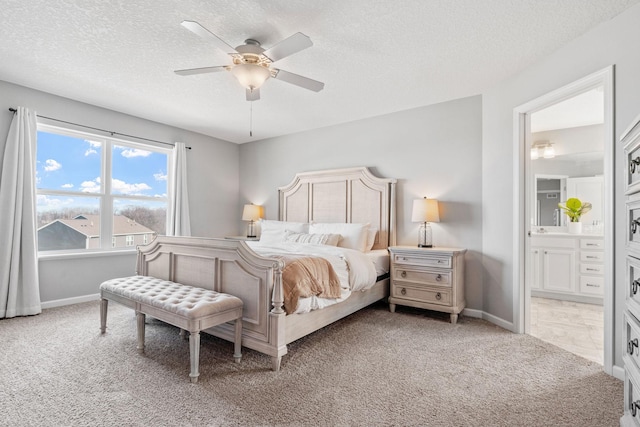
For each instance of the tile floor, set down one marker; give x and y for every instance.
(573, 326)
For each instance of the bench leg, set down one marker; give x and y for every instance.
(140, 318)
(237, 349)
(104, 304)
(194, 355)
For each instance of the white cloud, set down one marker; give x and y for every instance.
(91, 186)
(52, 165)
(117, 187)
(122, 187)
(47, 203)
(67, 185)
(90, 151)
(95, 144)
(160, 176)
(134, 152)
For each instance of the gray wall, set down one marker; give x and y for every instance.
(213, 185)
(433, 151)
(613, 42)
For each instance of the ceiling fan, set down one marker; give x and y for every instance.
(252, 64)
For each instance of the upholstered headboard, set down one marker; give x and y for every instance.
(352, 195)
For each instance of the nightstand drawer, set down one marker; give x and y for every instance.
(427, 277)
(429, 295)
(430, 261)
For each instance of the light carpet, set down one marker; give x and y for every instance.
(373, 368)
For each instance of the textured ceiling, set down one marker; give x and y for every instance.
(375, 57)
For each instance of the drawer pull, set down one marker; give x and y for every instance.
(591, 257)
(593, 244)
(634, 225)
(632, 164)
(634, 407)
(592, 285)
(592, 269)
(440, 261)
(438, 296)
(403, 291)
(439, 278)
(403, 274)
(634, 286)
(631, 345)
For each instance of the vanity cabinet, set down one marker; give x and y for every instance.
(568, 267)
(553, 264)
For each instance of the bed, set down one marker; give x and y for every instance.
(351, 195)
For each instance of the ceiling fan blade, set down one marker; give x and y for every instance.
(198, 29)
(253, 95)
(298, 80)
(288, 46)
(202, 70)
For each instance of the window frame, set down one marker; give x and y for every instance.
(106, 197)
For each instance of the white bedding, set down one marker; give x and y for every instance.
(356, 270)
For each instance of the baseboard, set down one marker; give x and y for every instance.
(479, 314)
(69, 301)
(618, 372)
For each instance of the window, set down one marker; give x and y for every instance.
(97, 192)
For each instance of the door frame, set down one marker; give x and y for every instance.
(522, 166)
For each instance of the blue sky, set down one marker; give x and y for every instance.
(71, 164)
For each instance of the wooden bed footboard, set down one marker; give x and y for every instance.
(231, 267)
(353, 195)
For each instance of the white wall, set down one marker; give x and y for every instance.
(613, 42)
(213, 184)
(433, 151)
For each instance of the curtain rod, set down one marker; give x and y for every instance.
(13, 110)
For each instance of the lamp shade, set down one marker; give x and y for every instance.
(425, 210)
(251, 76)
(251, 212)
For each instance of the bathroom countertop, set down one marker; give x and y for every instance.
(564, 234)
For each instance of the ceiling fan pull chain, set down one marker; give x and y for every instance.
(251, 118)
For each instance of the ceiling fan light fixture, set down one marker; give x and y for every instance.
(251, 76)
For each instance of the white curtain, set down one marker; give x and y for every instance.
(179, 223)
(19, 285)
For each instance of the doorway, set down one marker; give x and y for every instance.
(552, 265)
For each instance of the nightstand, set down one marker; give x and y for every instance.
(250, 239)
(430, 278)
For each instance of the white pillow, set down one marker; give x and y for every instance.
(274, 231)
(354, 236)
(371, 238)
(316, 239)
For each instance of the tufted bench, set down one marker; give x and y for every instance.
(187, 307)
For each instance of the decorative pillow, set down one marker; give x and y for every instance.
(371, 238)
(274, 231)
(316, 239)
(354, 236)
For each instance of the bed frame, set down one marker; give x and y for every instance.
(230, 266)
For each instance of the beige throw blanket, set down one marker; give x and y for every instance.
(305, 276)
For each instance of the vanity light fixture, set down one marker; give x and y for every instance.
(251, 213)
(542, 149)
(425, 211)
